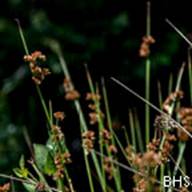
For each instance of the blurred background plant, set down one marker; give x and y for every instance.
(105, 34)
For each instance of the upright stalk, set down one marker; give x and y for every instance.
(147, 77)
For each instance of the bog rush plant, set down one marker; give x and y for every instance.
(108, 153)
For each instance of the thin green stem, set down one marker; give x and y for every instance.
(147, 97)
(190, 74)
(133, 136)
(41, 177)
(44, 105)
(22, 36)
(138, 132)
(182, 146)
(147, 77)
(89, 174)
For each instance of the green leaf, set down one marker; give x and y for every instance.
(17, 172)
(43, 159)
(29, 187)
(49, 168)
(22, 162)
(41, 153)
(22, 173)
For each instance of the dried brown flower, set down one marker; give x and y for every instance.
(38, 73)
(5, 187)
(70, 93)
(165, 122)
(57, 134)
(108, 167)
(144, 50)
(40, 187)
(112, 149)
(67, 157)
(183, 189)
(59, 115)
(93, 97)
(154, 145)
(175, 96)
(34, 56)
(167, 147)
(106, 135)
(88, 140)
(60, 160)
(185, 116)
(94, 117)
(141, 186)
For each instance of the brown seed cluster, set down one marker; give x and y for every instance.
(143, 162)
(59, 115)
(108, 167)
(38, 73)
(183, 189)
(146, 162)
(57, 134)
(88, 140)
(36, 55)
(40, 187)
(60, 160)
(95, 113)
(153, 145)
(5, 187)
(70, 93)
(173, 97)
(142, 185)
(144, 50)
(93, 97)
(106, 138)
(165, 122)
(185, 116)
(167, 147)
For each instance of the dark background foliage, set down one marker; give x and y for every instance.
(104, 34)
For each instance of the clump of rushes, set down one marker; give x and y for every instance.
(102, 148)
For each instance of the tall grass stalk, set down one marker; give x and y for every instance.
(190, 74)
(132, 127)
(147, 77)
(109, 122)
(138, 131)
(46, 111)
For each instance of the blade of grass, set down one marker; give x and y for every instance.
(170, 84)
(138, 132)
(190, 74)
(126, 136)
(37, 87)
(179, 32)
(133, 135)
(160, 97)
(109, 122)
(147, 77)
